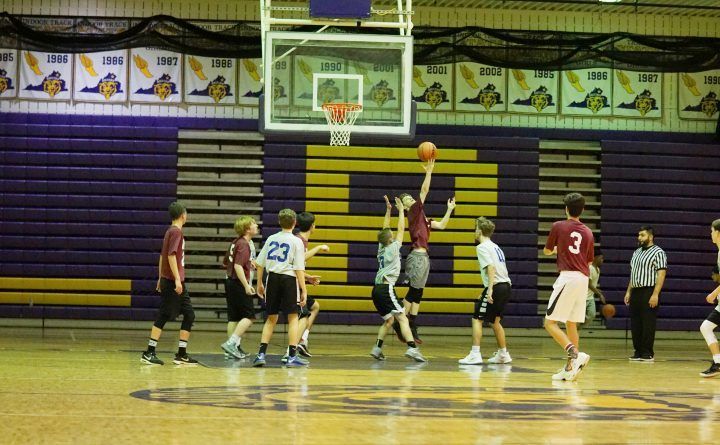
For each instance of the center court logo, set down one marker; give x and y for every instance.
(450, 402)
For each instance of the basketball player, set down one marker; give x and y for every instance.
(573, 243)
(417, 263)
(284, 257)
(491, 304)
(383, 293)
(712, 321)
(239, 291)
(174, 297)
(309, 312)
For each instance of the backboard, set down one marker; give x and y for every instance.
(304, 70)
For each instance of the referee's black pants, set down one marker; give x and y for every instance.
(643, 319)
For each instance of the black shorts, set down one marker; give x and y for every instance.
(488, 312)
(281, 294)
(172, 304)
(714, 317)
(386, 301)
(304, 311)
(239, 304)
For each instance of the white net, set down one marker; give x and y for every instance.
(341, 118)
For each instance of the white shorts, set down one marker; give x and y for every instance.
(567, 302)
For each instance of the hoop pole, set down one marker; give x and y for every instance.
(408, 7)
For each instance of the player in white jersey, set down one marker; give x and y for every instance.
(490, 306)
(712, 321)
(383, 293)
(284, 257)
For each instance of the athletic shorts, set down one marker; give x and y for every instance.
(172, 304)
(569, 296)
(281, 294)
(304, 311)
(239, 304)
(385, 300)
(488, 312)
(417, 268)
(714, 317)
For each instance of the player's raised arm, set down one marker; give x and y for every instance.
(388, 209)
(425, 187)
(401, 220)
(442, 224)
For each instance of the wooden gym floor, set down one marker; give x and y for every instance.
(87, 386)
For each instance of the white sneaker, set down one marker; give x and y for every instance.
(473, 358)
(415, 354)
(377, 353)
(562, 375)
(500, 357)
(578, 364)
(231, 348)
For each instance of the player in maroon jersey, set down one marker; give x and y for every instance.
(175, 299)
(239, 291)
(573, 243)
(417, 263)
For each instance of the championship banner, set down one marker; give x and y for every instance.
(381, 84)
(155, 76)
(210, 80)
(101, 77)
(8, 73)
(302, 75)
(533, 91)
(637, 94)
(698, 95)
(432, 87)
(250, 86)
(45, 76)
(480, 88)
(587, 92)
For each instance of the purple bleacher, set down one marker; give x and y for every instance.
(89, 160)
(111, 271)
(96, 173)
(30, 214)
(86, 197)
(672, 187)
(89, 187)
(78, 201)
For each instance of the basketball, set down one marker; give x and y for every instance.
(427, 151)
(608, 311)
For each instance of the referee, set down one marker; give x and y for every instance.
(647, 275)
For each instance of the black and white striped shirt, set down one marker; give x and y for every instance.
(644, 266)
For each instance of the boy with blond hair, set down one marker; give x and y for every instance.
(239, 291)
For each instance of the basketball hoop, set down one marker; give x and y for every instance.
(341, 118)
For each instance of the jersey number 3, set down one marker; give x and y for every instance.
(575, 247)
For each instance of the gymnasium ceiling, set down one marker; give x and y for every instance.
(697, 8)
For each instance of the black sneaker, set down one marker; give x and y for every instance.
(635, 357)
(712, 371)
(149, 358)
(303, 350)
(184, 360)
(646, 358)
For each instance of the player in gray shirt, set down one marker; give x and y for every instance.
(383, 293)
